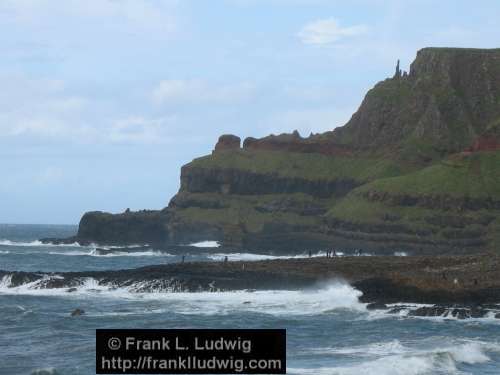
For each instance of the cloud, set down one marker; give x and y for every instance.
(132, 15)
(57, 32)
(45, 110)
(328, 31)
(190, 91)
(138, 129)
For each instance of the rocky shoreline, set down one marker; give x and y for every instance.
(458, 286)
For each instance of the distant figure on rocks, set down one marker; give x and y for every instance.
(310, 254)
(183, 258)
(334, 252)
(225, 259)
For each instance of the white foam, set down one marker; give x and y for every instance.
(374, 349)
(241, 256)
(428, 356)
(107, 247)
(205, 244)
(336, 296)
(4, 252)
(36, 243)
(391, 365)
(132, 254)
(276, 302)
(5, 282)
(255, 257)
(95, 253)
(470, 353)
(45, 371)
(400, 254)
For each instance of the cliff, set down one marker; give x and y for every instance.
(415, 169)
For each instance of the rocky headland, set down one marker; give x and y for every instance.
(415, 169)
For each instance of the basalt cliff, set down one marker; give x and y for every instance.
(416, 169)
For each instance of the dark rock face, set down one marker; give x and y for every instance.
(485, 144)
(289, 205)
(228, 142)
(142, 227)
(449, 98)
(234, 181)
(443, 202)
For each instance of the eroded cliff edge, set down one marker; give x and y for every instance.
(417, 169)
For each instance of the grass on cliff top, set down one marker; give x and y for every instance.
(475, 176)
(355, 209)
(302, 165)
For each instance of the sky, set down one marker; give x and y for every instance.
(102, 101)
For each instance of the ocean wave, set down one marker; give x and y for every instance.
(441, 356)
(205, 244)
(404, 311)
(275, 302)
(4, 252)
(391, 365)
(374, 349)
(36, 243)
(241, 256)
(45, 371)
(254, 256)
(95, 253)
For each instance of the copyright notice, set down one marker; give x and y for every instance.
(191, 351)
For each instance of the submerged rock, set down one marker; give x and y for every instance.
(450, 312)
(428, 311)
(77, 312)
(376, 306)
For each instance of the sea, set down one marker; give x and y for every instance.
(328, 330)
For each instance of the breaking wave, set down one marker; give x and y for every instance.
(36, 243)
(405, 310)
(205, 244)
(97, 253)
(253, 256)
(275, 302)
(394, 358)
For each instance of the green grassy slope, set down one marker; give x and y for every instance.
(304, 165)
(476, 176)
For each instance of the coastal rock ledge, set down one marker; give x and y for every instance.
(459, 286)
